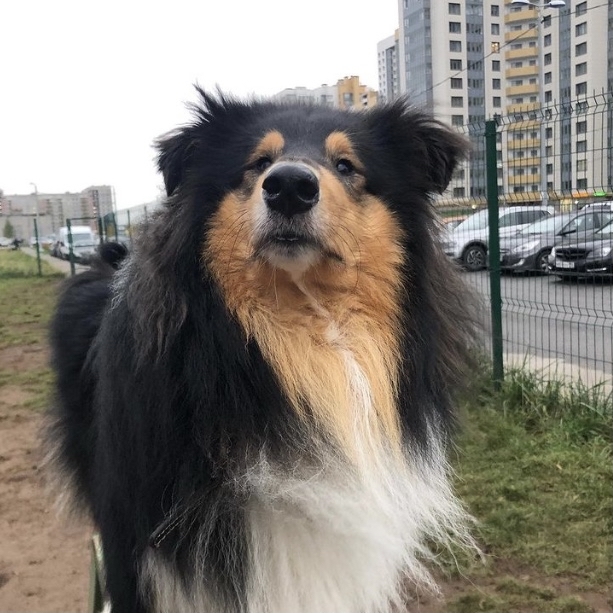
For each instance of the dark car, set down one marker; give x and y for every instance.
(529, 249)
(588, 257)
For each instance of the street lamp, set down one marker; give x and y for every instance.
(36, 209)
(40, 272)
(553, 4)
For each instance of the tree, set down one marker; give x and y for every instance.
(9, 230)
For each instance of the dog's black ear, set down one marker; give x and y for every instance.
(443, 148)
(175, 150)
(427, 150)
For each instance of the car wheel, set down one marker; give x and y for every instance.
(474, 258)
(541, 262)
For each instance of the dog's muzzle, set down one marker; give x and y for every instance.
(290, 189)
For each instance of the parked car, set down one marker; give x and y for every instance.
(590, 256)
(468, 242)
(84, 244)
(529, 249)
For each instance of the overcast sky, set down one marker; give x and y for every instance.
(86, 86)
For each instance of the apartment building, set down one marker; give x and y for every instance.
(346, 93)
(388, 68)
(54, 209)
(542, 69)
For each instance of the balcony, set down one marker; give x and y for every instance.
(526, 107)
(524, 71)
(519, 16)
(522, 90)
(522, 35)
(518, 54)
(525, 143)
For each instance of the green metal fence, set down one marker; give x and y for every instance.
(549, 308)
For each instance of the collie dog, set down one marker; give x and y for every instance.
(255, 404)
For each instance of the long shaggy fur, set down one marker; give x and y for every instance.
(255, 408)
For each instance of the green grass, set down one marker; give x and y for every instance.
(535, 468)
(26, 302)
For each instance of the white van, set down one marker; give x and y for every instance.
(467, 242)
(84, 244)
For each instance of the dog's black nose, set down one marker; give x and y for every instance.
(290, 189)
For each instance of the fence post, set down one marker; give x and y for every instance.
(70, 247)
(40, 270)
(494, 251)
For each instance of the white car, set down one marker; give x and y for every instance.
(467, 243)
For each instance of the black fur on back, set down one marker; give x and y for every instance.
(161, 399)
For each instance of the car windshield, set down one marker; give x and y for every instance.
(547, 225)
(478, 221)
(605, 231)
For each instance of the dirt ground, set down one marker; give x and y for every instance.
(44, 560)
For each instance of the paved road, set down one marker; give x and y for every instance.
(548, 319)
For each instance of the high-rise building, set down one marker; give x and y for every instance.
(387, 58)
(469, 61)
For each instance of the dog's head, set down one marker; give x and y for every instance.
(297, 185)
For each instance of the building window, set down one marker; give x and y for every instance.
(547, 77)
(455, 64)
(581, 183)
(517, 82)
(516, 64)
(495, 29)
(581, 127)
(582, 107)
(549, 169)
(547, 40)
(581, 69)
(454, 8)
(495, 10)
(455, 27)
(458, 192)
(581, 89)
(581, 165)
(456, 83)
(495, 47)
(548, 132)
(581, 146)
(581, 9)
(546, 21)
(457, 120)
(547, 58)
(581, 49)
(548, 96)
(496, 102)
(496, 65)
(455, 45)
(495, 83)
(457, 102)
(581, 29)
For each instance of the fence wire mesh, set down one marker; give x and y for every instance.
(554, 170)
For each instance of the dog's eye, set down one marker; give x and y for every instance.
(263, 163)
(344, 167)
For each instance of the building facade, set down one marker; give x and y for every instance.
(347, 93)
(543, 70)
(52, 210)
(387, 64)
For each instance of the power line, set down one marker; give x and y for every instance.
(507, 43)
